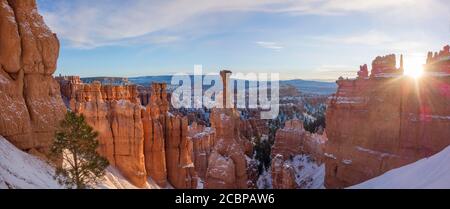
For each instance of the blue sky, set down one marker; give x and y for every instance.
(307, 39)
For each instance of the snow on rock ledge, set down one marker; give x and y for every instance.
(428, 173)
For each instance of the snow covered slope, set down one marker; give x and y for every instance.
(114, 180)
(429, 173)
(308, 174)
(20, 170)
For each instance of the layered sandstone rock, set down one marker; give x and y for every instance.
(283, 173)
(160, 144)
(154, 124)
(253, 128)
(226, 170)
(29, 96)
(204, 140)
(178, 147)
(289, 140)
(385, 66)
(180, 167)
(381, 123)
(220, 159)
(437, 63)
(154, 147)
(115, 112)
(292, 141)
(363, 72)
(140, 141)
(227, 166)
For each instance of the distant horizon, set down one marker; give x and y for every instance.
(142, 76)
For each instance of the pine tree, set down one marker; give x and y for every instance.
(76, 144)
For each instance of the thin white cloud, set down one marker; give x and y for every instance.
(367, 38)
(87, 23)
(389, 41)
(270, 45)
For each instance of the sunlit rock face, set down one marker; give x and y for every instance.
(29, 96)
(154, 148)
(180, 167)
(114, 112)
(151, 142)
(385, 66)
(227, 164)
(381, 123)
(140, 141)
(153, 119)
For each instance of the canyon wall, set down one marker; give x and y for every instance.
(180, 167)
(387, 120)
(140, 141)
(154, 137)
(152, 142)
(29, 96)
(114, 112)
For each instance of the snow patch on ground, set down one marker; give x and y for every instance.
(428, 173)
(308, 174)
(114, 180)
(200, 184)
(20, 170)
(265, 180)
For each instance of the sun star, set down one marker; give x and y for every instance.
(414, 67)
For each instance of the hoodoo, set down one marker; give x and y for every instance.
(227, 166)
(140, 141)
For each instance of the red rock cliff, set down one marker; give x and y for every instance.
(140, 141)
(29, 96)
(151, 142)
(114, 111)
(378, 124)
(180, 167)
(154, 143)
